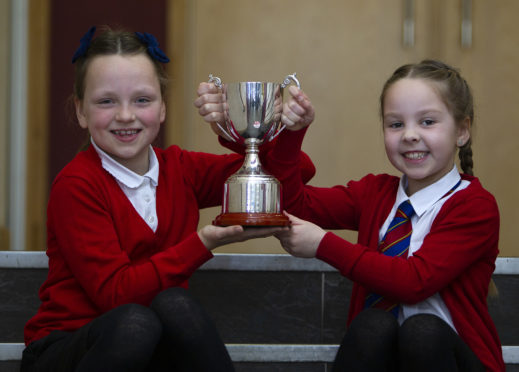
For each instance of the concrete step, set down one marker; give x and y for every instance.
(274, 310)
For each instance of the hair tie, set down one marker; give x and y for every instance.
(84, 43)
(153, 46)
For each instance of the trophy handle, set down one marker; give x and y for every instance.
(289, 78)
(218, 83)
(284, 84)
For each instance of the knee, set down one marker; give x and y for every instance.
(138, 321)
(125, 332)
(174, 300)
(422, 333)
(374, 325)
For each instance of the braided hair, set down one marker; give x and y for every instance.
(453, 90)
(457, 96)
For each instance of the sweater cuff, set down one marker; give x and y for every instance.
(233, 146)
(288, 145)
(181, 260)
(337, 252)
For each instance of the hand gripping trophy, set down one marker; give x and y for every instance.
(252, 112)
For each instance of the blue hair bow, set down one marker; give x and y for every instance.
(84, 44)
(153, 46)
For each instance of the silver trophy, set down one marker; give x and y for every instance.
(252, 112)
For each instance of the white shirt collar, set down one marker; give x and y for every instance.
(424, 199)
(126, 176)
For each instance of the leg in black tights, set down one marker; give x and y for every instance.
(370, 343)
(175, 333)
(427, 343)
(190, 339)
(123, 339)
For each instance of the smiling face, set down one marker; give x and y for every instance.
(420, 133)
(122, 107)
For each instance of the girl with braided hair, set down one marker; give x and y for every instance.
(421, 307)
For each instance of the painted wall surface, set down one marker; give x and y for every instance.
(5, 34)
(342, 51)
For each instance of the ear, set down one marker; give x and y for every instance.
(79, 114)
(162, 112)
(463, 132)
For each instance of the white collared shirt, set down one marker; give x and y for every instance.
(140, 190)
(426, 203)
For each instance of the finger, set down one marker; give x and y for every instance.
(282, 235)
(292, 117)
(207, 99)
(228, 231)
(294, 91)
(290, 114)
(302, 99)
(293, 219)
(261, 232)
(204, 88)
(296, 108)
(209, 108)
(287, 121)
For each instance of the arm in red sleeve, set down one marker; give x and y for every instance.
(83, 231)
(463, 237)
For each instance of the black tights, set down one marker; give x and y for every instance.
(173, 334)
(375, 342)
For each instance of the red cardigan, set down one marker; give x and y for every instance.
(456, 259)
(103, 254)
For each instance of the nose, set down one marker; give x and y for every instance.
(411, 134)
(125, 115)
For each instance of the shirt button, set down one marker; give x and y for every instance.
(147, 198)
(151, 219)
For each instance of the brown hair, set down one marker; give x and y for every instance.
(110, 42)
(453, 90)
(457, 96)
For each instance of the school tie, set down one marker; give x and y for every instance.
(394, 243)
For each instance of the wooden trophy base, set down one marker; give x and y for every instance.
(252, 219)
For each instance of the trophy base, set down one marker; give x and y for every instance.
(252, 219)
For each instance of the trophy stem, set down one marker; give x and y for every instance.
(251, 163)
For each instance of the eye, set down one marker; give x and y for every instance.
(143, 100)
(427, 122)
(105, 101)
(394, 124)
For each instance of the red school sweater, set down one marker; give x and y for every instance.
(456, 259)
(103, 254)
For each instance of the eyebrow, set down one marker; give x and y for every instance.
(419, 113)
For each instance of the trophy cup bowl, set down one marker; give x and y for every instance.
(252, 113)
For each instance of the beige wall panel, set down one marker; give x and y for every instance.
(490, 67)
(37, 124)
(4, 117)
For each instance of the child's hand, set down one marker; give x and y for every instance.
(298, 112)
(210, 105)
(215, 236)
(302, 239)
